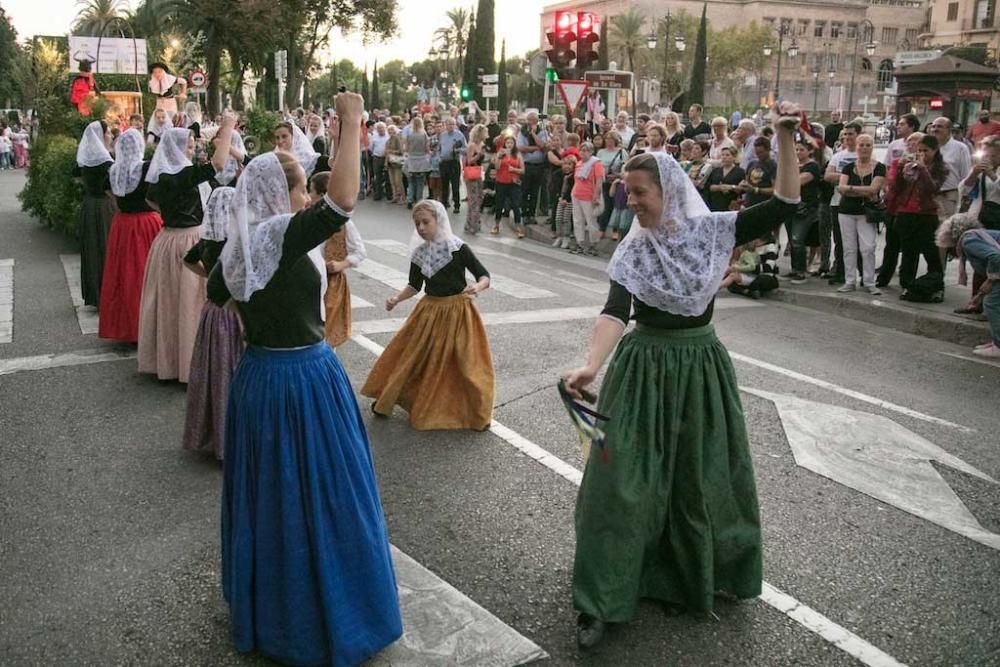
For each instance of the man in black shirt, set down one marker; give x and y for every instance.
(493, 131)
(696, 126)
(760, 173)
(831, 133)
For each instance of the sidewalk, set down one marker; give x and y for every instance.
(932, 320)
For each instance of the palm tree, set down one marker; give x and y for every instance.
(95, 16)
(628, 34)
(454, 36)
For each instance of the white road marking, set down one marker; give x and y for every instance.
(61, 359)
(386, 275)
(880, 458)
(85, 315)
(6, 300)
(857, 395)
(802, 614)
(552, 253)
(358, 302)
(979, 360)
(500, 283)
(444, 626)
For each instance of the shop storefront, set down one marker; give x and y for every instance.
(946, 86)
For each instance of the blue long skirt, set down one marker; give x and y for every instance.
(306, 567)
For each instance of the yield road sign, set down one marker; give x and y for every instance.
(572, 93)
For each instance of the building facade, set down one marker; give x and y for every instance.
(831, 36)
(962, 22)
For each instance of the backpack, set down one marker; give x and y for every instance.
(928, 288)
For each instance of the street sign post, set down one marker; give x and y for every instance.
(539, 64)
(572, 93)
(491, 90)
(491, 78)
(609, 80)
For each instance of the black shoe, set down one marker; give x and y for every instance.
(589, 631)
(409, 205)
(836, 280)
(456, 210)
(881, 283)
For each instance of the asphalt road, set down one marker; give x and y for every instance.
(109, 531)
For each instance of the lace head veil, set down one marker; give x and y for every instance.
(126, 172)
(92, 151)
(171, 154)
(677, 265)
(432, 256)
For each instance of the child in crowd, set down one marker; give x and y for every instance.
(564, 207)
(572, 145)
(621, 215)
(755, 271)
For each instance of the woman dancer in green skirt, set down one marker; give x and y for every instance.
(671, 513)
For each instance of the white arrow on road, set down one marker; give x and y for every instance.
(878, 457)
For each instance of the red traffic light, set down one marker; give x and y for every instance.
(585, 21)
(564, 21)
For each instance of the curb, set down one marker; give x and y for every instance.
(939, 326)
(952, 329)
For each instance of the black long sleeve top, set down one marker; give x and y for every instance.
(95, 179)
(449, 280)
(178, 197)
(135, 201)
(206, 253)
(286, 313)
(751, 223)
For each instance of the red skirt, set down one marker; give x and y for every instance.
(124, 267)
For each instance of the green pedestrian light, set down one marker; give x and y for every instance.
(466, 92)
(551, 75)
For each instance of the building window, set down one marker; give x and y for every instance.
(984, 14)
(835, 29)
(817, 64)
(952, 11)
(848, 63)
(819, 27)
(803, 27)
(889, 35)
(866, 65)
(769, 21)
(786, 25)
(911, 36)
(852, 30)
(885, 74)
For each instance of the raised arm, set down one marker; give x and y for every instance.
(345, 165)
(786, 184)
(222, 148)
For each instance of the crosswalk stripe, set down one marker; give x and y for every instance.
(500, 283)
(386, 275)
(77, 358)
(6, 300)
(539, 249)
(85, 315)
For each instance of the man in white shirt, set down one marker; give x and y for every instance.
(622, 127)
(744, 137)
(376, 144)
(840, 159)
(905, 126)
(958, 161)
(720, 139)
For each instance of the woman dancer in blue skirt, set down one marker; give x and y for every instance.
(671, 514)
(306, 566)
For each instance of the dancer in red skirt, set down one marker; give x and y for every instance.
(133, 229)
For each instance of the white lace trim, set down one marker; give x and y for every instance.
(92, 151)
(677, 266)
(218, 214)
(126, 172)
(432, 256)
(171, 154)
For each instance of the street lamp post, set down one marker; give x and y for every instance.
(679, 43)
(793, 50)
(868, 29)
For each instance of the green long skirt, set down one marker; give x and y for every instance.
(671, 513)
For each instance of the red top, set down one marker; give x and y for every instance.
(504, 174)
(916, 196)
(979, 131)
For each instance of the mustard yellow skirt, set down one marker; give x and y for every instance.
(438, 368)
(337, 300)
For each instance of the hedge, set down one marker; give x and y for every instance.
(51, 193)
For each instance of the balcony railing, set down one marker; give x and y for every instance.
(978, 24)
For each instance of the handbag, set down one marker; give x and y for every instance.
(472, 172)
(397, 160)
(874, 212)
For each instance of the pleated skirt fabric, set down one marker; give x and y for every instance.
(96, 214)
(131, 236)
(306, 565)
(337, 300)
(671, 513)
(172, 299)
(217, 350)
(438, 368)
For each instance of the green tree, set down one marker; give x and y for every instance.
(393, 97)
(502, 78)
(376, 94)
(696, 90)
(468, 66)
(364, 88)
(454, 37)
(95, 16)
(12, 60)
(484, 54)
(628, 35)
(733, 52)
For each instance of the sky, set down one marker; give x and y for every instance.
(418, 19)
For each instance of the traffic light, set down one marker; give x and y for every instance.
(587, 29)
(561, 39)
(466, 92)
